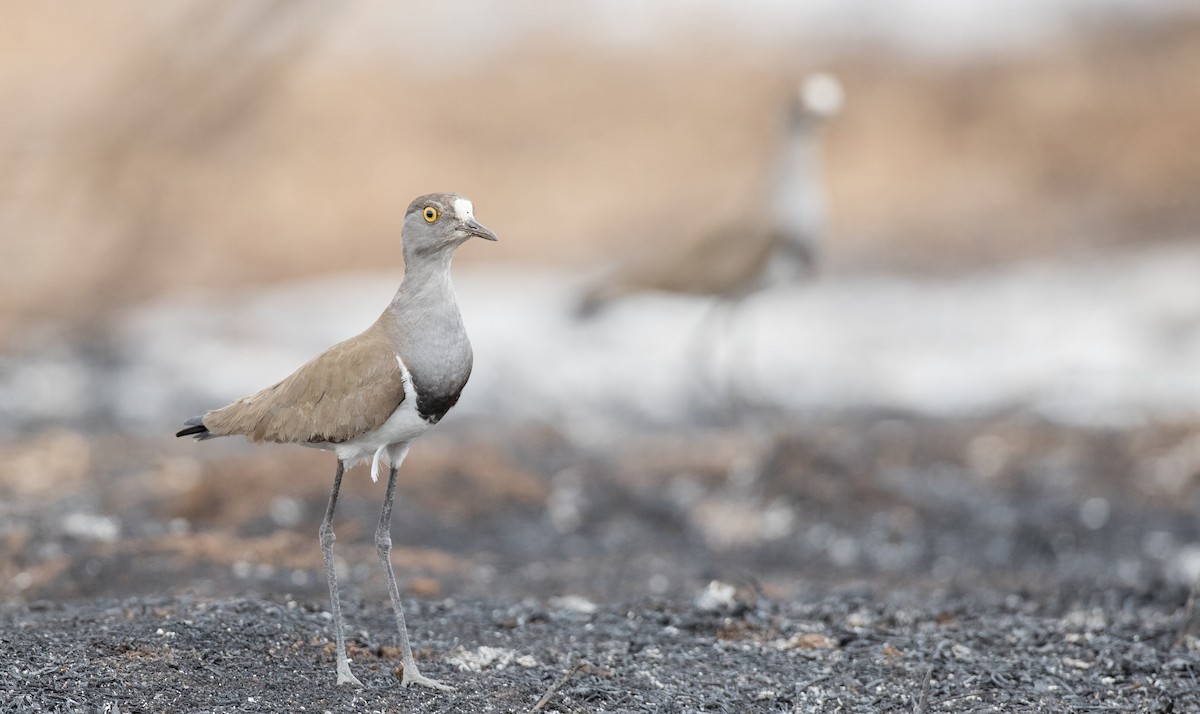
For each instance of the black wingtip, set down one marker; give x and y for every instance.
(195, 427)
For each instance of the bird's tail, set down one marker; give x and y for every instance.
(599, 295)
(195, 427)
(589, 305)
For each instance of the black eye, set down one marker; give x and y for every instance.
(431, 214)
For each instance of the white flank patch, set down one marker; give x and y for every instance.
(375, 462)
(404, 425)
(464, 209)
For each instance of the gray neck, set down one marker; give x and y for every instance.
(426, 276)
(429, 333)
(797, 192)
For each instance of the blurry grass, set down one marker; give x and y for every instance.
(213, 146)
(1086, 144)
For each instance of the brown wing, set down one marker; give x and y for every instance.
(722, 262)
(346, 391)
(725, 261)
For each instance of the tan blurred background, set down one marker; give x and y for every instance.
(155, 148)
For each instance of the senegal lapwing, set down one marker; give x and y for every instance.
(776, 240)
(369, 397)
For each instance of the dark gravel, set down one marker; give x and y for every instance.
(1119, 651)
(882, 563)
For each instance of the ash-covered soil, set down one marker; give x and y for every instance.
(864, 562)
(1100, 651)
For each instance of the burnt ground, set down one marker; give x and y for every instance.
(1113, 651)
(867, 562)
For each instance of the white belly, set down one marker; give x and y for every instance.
(394, 436)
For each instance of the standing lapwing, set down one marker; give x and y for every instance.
(776, 241)
(373, 394)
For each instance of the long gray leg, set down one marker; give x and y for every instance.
(383, 542)
(343, 664)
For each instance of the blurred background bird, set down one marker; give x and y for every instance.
(776, 240)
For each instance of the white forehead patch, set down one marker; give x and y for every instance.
(464, 209)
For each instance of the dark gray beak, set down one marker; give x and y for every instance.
(474, 228)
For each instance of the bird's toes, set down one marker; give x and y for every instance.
(422, 681)
(345, 677)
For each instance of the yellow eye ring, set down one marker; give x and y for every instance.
(431, 214)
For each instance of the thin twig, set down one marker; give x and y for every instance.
(923, 699)
(558, 684)
(1185, 624)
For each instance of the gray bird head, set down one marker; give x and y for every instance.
(818, 99)
(437, 222)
